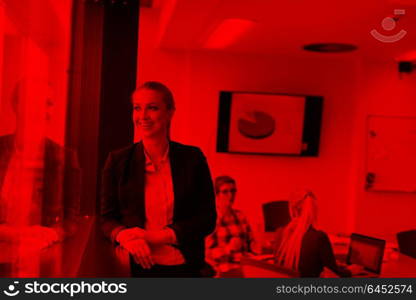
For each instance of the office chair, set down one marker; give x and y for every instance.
(276, 214)
(253, 268)
(407, 242)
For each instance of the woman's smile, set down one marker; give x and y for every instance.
(151, 115)
(145, 125)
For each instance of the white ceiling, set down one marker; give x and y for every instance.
(284, 26)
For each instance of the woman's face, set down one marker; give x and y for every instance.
(151, 116)
(226, 196)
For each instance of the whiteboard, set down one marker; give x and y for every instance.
(391, 154)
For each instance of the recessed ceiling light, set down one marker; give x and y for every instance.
(330, 47)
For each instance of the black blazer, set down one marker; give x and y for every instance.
(194, 215)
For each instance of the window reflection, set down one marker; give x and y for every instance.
(39, 176)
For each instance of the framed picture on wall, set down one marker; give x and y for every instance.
(270, 124)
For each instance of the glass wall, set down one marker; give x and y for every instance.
(39, 176)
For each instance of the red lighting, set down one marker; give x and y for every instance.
(408, 56)
(228, 32)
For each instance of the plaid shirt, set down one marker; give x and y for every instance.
(231, 240)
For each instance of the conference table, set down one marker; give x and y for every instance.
(89, 254)
(395, 264)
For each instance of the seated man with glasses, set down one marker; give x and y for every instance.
(233, 236)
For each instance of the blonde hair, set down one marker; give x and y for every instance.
(163, 90)
(303, 210)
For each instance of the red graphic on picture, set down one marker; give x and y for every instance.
(256, 125)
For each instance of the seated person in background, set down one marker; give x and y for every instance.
(233, 236)
(300, 247)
